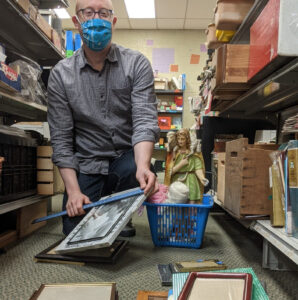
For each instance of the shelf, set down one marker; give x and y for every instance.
(13, 205)
(168, 92)
(21, 35)
(160, 149)
(260, 99)
(278, 238)
(167, 130)
(242, 35)
(170, 111)
(17, 106)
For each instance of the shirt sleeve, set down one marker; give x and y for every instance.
(144, 103)
(61, 123)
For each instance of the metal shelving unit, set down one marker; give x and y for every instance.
(20, 34)
(169, 92)
(14, 105)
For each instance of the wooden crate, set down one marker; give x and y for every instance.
(231, 63)
(247, 190)
(221, 162)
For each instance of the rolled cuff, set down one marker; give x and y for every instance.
(149, 135)
(63, 161)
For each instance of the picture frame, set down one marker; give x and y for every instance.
(212, 286)
(152, 295)
(76, 291)
(100, 255)
(103, 224)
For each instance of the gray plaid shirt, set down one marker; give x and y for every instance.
(94, 116)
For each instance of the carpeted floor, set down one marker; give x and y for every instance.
(225, 239)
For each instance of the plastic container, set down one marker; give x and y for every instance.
(229, 14)
(212, 41)
(178, 225)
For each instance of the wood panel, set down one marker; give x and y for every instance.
(247, 190)
(29, 213)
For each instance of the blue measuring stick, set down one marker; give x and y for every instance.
(94, 204)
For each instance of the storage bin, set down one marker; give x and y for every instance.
(178, 225)
(229, 14)
(212, 41)
(18, 176)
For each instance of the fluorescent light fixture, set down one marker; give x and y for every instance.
(62, 13)
(140, 9)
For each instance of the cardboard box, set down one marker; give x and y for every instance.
(273, 39)
(24, 5)
(230, 14)
(9, 78)
(247, 190)
(221, 163)
(45, 176)
(56, 39)
(32, 12)
(44, 164)
(44, 25)
(29, 213)
(45, 189)
(160, 84)
(44, 151)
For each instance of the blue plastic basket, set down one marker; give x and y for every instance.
(178, 225)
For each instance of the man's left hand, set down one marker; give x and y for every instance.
(148, 181)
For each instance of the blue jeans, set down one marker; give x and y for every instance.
(122, 176)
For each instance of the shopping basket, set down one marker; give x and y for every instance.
(178, 225)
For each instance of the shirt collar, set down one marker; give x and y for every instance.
(112, 56)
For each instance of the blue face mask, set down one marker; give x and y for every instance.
(97, 33)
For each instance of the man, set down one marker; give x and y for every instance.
(102, 115)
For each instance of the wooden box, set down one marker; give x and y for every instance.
(247, 189)
(45, 188)
(29, 213)
(44, 164)
(44, 151)
(221, 162)
(229, 14)
(56, 39)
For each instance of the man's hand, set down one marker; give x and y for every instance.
(75, 202)
(148, 181)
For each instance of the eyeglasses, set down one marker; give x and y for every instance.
(89, 13)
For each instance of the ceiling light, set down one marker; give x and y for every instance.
(140, 9)
(62, 13)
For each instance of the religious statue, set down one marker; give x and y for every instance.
(185, 164)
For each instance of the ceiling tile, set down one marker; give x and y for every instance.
(166, 9)
(143, 23)
(120, 9)
(123, 24)
(197, 9)
(170, 23)
(197, 23)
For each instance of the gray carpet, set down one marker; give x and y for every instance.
(225, 239)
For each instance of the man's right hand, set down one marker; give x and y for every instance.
(74, 205)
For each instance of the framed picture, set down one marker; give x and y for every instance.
(76, 291)
(100, 255)
(214, 286)
(152, 295)
(102, 225)
(199, 266)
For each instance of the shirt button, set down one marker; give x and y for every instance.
(101, 96)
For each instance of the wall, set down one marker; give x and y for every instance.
(185, 43)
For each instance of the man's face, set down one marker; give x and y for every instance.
(103, 7)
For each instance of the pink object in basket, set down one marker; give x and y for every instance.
(161, 196)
